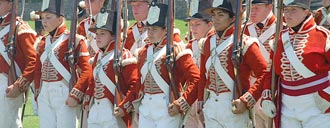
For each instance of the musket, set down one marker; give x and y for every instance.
(117, 59)
(11, 45)
(117, 55)
(237, 51)
(170, 58)
(279, 23)
(71, 57)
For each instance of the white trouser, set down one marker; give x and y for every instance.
(260, 119)
(193, 120)
(153, 113)
(10, 113)
(52, 110)
(218, 112)
(101, 115)
(302, 112)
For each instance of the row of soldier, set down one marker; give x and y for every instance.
(204, 72)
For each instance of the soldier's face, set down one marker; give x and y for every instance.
(51, 21)
(103, 38)
(5, 7)
(221, 19)
(199, 28)
(155, 33)
(259, 12)
(140, 10)
(94, 6)
(294, 15)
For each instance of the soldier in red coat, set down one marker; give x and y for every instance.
(215, 93)
(58, 106)
(322, 15)
(302, 64)
(102, 112)
(154, 94)
(263, 27)
(93, 7)
(11, 97)
(201, 27)
(137, 33)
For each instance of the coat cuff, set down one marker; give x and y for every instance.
(76, 94)
(22, 83)
(182, 104)
(248, 100)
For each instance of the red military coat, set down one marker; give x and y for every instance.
(252, 62)
(25, 56)
(128, 79)
(47, 72)
(311, 45)
(82, 29)
(269, 21)
(131, 39)
(184, 70)
(310, 42)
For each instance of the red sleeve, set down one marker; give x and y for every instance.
(26, 42)
(130, 77)
(191, 75)
(186, 70)
(254, 61)
(86, 71)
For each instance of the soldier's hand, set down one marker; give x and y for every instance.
(118, 112)
(71, 102)
(13, 91)
(173, 109)
(238, 106)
